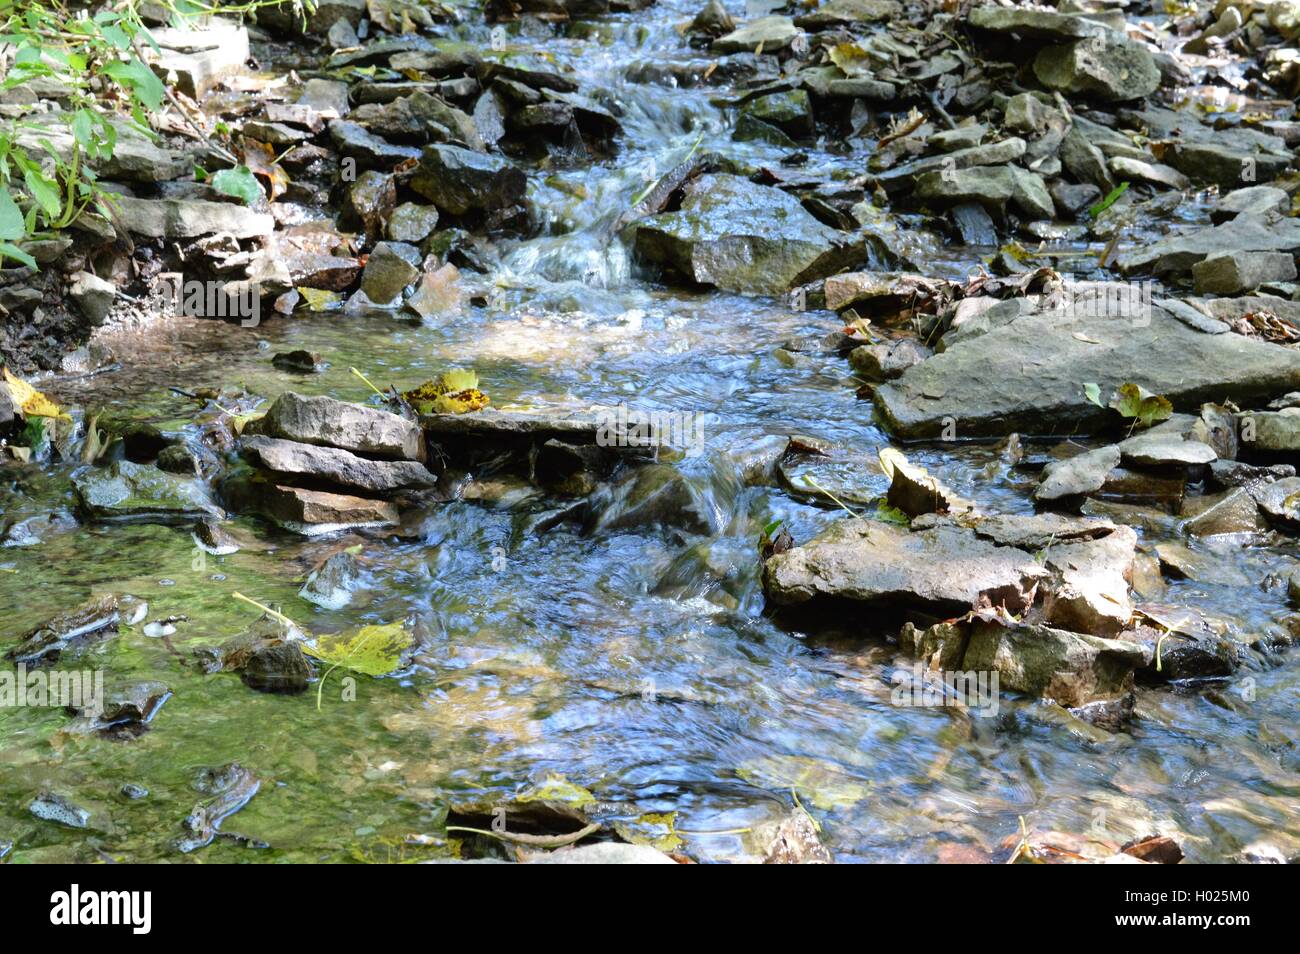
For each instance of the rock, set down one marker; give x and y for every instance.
(127, 491)
(1029, 194)
(52, 807)
(327, 97)
(412, 222)
(1192, 644)
(418, 119)
(330, 464)
(437, 294)
(325, 422)
(712, 21)
(770, 34)
(189, 218)
(134, 703)
(459, 181)
(739, 236)
(305, 511)
(991, 186)
(901, 177)
(1108, 66)
(1083, 160)
(846, 12)
(1033, 23)
(1071, 199)
(1227, 166)
(1234, 273)
(1232, 512)
(1231, 473)
(354, 141)
(198, 59)
(603, 853)
(389, 269)
(1259, 201)
(1126, 168)
(881, 362)
(940, 646)
(92, 295)
(209, 537)
(656, 495)
(792, 841)
(134, 159)
(1280, 501)
(1155, 449)
(300, 362)
(1270, 434)
(1079, 475)
(180, 459)
(790, 112)
(1070, 668)
(944, 569)
(268, 658)
(97, 618)
(1025, 374)
(330, 586)
(914, 491)
(1089, 585)
(370, 201)
(963, 137)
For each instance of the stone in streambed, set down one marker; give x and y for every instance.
(1108, 66)
(295, 459)
(1233, 273)
(991, 186)
(459, 181)
(412, 222)
(330, 586)
(97, 618)
(1083, 474)
(327, 422)
(128, 491)
(772, 33)
(1252, 200)
(390, 268)
(302, 510)
(740, 236)
(92, 295)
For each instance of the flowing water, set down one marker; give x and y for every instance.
(639, 665)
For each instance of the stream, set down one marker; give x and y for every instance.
(638, 664)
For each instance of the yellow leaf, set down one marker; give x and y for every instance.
(32, 401)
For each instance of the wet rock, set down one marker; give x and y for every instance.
(459, 181)
(1227, 166)
(389, 269)
(1079, 475)
(1231, 473)
(268, 657)
(370, 202)
(914, 491)
(941, 646)
(132, 704)
(330, 586)
(1072, 198)
(946, 569)
(127, 491)
(792, 841)
(991, 186)
(210, 537)
(133, 791)
(656, 495)
(92, 295)
(300, 361)
(1089, 584)
(328, 98)
(881, 362)
(1029, 194)
(1230, 513)
(412, 222)
(739, 236)
(1252, 200)
(1033, 23)
(712, 21)
(418, 119)
(1280, 502)
(1270, 434)
(344, 468)
(1192, 644)
(790, 112)
(183, 460)
(303, 510)
(603, 853)
(1108, 66)
(53, 807)
(1070, 668)
(770, 34)
(1164, 449)
(228, 789)
(97, 618)
(354, 141)
(1024, 375)
(901, 177)
(326, 422)
(1233, 273)
(1126, 168)
(189, 218)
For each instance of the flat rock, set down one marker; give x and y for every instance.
(1038, 23)
(1026, 374)
(739, 236)
(127, 491)
(773, 33)
(1165, 450)
(294, 459)
(945, 568)
(1232, 273)
(1252, 200)
(189, 218)
(327, 422)
(303, 510)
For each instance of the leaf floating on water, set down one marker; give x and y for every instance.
(32, 401)
(454, 392)
(557, 788)
(372, 650)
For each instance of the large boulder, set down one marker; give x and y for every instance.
(327, 422)
(1027, 373)
(740, 236)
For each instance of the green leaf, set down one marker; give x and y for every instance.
(1107, 202)
(1093, 393)
(17, 254)
(11, 219)
(373, 650)
(139, 79)
(238, 182)
(45, 191)
(1136, 402)
(557, 788)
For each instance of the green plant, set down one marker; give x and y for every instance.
(96, 61)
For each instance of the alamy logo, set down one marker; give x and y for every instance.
(921, 687)
(103, 907)
(79, 689)
(627, 427)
